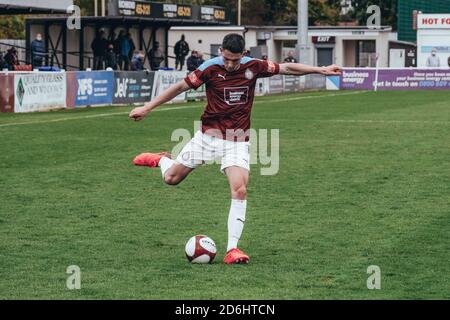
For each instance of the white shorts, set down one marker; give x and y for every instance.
(207, 149)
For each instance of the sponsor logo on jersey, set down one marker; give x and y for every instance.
(249, 74)
(270, 66)
(236, 95)
(221, 76)
(194, 79)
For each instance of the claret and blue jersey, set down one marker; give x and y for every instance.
(229, 94)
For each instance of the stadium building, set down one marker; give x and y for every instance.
(346, 46)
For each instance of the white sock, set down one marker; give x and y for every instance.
(165, 164)
(236, 220)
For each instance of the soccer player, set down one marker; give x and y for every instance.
(230, 81)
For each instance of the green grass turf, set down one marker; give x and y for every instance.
(364, 180)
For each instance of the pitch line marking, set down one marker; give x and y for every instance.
(171, 108)
(368, 121)
(376, 121)
(87, 117)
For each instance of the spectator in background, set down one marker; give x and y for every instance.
(200, 58)
(3, 64)
(181, 51)
(99, 47)
(111, 58)
(132, 46)
(290, 58)
(156, 56)
(118, 48)
(433, 60)
(247, 53)
(137, 62)
(125, 48)
(193, 62)
(11, 58)
(448, 61)
(264, 57)
(37, 51)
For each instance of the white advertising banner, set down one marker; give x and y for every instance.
(164, 79)
(262, 86)
(39, 91)
(433, 40)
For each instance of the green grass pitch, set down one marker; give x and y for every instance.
(364, 180)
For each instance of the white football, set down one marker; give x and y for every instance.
(200, 249)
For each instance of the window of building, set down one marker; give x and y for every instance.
(366, 53)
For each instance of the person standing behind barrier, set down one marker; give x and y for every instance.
(156, 56)
(433, 60)
(125, 47)
(3, 64)
(99, 47)
(132, 46)
(290, 58)
(37, 51)
(192, 61)
(111, 58)
(181, 51)
(137, 63)
(200, 58)
(11, 58)
(118, 49)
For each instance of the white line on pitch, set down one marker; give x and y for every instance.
(374, 121)
(90, 116)
(169, 109)
(312, 97)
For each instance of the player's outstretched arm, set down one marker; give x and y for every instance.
(299, 69)
(167, 95)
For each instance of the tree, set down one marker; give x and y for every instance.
(12, 27)
(86, 6)
(324, 12)
(284, 12)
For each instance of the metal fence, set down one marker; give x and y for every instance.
(5, 44)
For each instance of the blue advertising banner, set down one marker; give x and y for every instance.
(94, 87)
(133, 87)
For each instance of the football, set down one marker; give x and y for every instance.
(200, 249)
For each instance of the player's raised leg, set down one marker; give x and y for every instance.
(238, 179)
(173, 172)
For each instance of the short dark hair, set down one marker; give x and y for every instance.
(233, 42)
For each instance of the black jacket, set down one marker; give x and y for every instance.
(111, 60)
(99, 46)
(181, 48)
(193, 63)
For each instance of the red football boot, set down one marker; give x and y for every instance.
(149, 159)
(235, 256)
